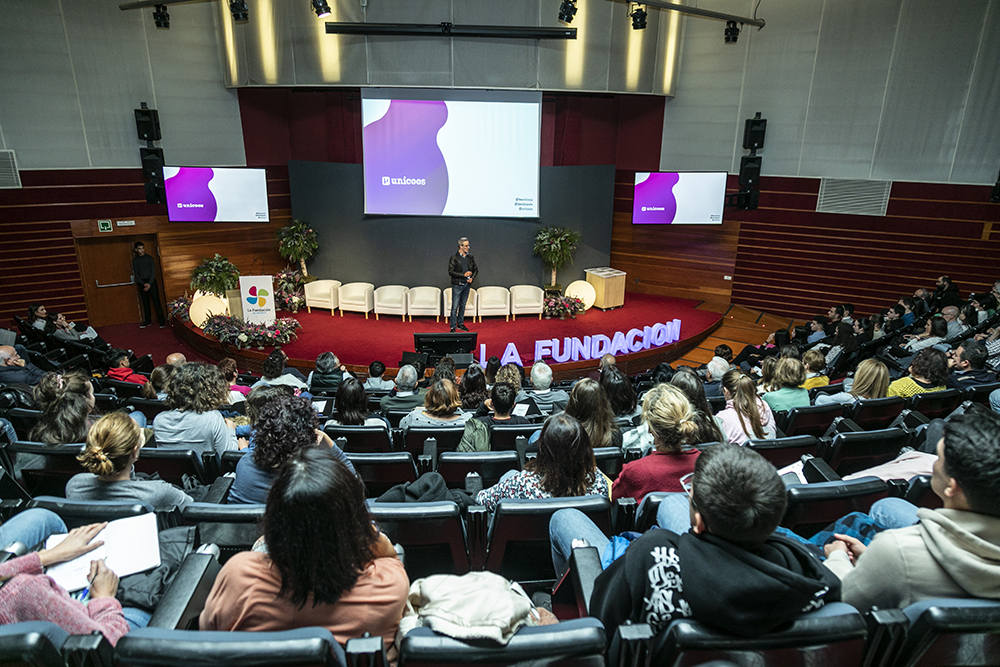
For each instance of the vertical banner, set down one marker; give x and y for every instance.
(257, 297)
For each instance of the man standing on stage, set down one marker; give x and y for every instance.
(144, 274)
(462, 269)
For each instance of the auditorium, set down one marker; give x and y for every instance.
(561, 332)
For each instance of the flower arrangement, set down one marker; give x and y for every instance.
(179, 308)
(289, 293)
(235, 331)
(215, 276)
(561, 306)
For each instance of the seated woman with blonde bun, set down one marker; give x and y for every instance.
(113, 446)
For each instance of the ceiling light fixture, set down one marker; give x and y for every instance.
(239, 10)
(161, 17)
(567, 10)
(321, 8)
(732, 32)
(638, 17)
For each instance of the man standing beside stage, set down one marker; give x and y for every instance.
(462, 269)
(144, 274)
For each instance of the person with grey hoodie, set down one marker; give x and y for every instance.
(951, 552)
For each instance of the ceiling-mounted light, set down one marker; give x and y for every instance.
(567, 10)
(239, 10)
(321, 8)
(160, 17)
(638, 17)
(732, 32)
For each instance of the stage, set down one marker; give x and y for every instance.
(358, 341)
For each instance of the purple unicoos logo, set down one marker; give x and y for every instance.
(654, 200)
(190, 195)
(401, 150)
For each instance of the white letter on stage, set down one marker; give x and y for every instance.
(599, 346)
(618, 345)
(674, 329)
(567, 350)
(660, 334)
(581, 349)
(511, 355)
(647, 337)
(543, 348)
(482, 355)
(634, 344)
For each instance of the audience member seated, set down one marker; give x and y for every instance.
(945, 294)
(477, 430)
(722, 570)
(118, 367)
(63, 330)
(788, 393)
(27, 594)
(156, 388)
(257, 399)
(745, 416)
(950, 315)
(871, 380)
(176, 359)
(908, 315)
(274, 373)
(351, 406)
(328, 375)
(848, 313)
(442, 407)
(321, 561)
(725, 353)
(406, 396)
(843, 341)
(836, 314)
(985, 305)
(954, 551)
(935, 331)
(113, 445)
(968, 366)
(766, 382)
(284, 427)
(547, 399)
(66, 401)
(423, 382)
(589, 404)
(194, 394)
(492, 366)
(669, 418)
(15, 370)
(237, 392)
(473, 389)
(815, 363)
(928, 373)
(445, 370)
(621, 393)
(708, 426)
(863, 330)
(375, 382)
(817, 329)
(716, 368)
(38, 316)
(565, 466)
(878, 325)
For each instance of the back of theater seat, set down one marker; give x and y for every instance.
(610, 461)
(361, 438)
(949, 631)
(504, 437)
(58, 466)
(785, 451)
(875, 413)
(852, 452)
(432, 536)
(172, 465)
(76, 513)
(233, 528)
(813, 420)
(32, 644)
(935, 404)
(812, 507)
(645, 515)
(447, 438)
(380, 472)
(518, 541)
(490, 466)
(302, 647)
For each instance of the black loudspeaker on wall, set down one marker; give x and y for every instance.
(155, 193)
(152, 163)
(750, 170)
(147, 124)
(753, 133)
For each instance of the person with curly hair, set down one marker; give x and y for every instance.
(321, 562)
(928, 372)
(473, 388)
(442, 407)
(285, 426)
(351, 406)
(194, 394)
(66, 401)
(113, 446)
(565, 467)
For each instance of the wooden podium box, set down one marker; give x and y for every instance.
(610, 286)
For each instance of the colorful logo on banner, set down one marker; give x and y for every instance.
(258, 304)
(256, 297)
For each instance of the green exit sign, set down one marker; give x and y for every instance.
(104, 226)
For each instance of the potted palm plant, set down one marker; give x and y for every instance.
(297, 242)
(556, 245)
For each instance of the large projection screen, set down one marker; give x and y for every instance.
(451, 152)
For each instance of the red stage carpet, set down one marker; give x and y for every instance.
(358, 341)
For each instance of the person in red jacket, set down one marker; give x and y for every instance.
(118, 367)
(670, 418)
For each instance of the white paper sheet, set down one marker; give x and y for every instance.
(521, 409)
(130, 546)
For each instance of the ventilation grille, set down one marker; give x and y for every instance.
(9, 177)
(853, 197)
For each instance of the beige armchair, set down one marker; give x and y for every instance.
(494, 301)
(526, 300)
(424, 301)
(471, 304)
(322, 294)
(391, 300)
(357, 298)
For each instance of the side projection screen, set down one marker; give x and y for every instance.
(451, 152)
(216, 194)
(679, 198)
